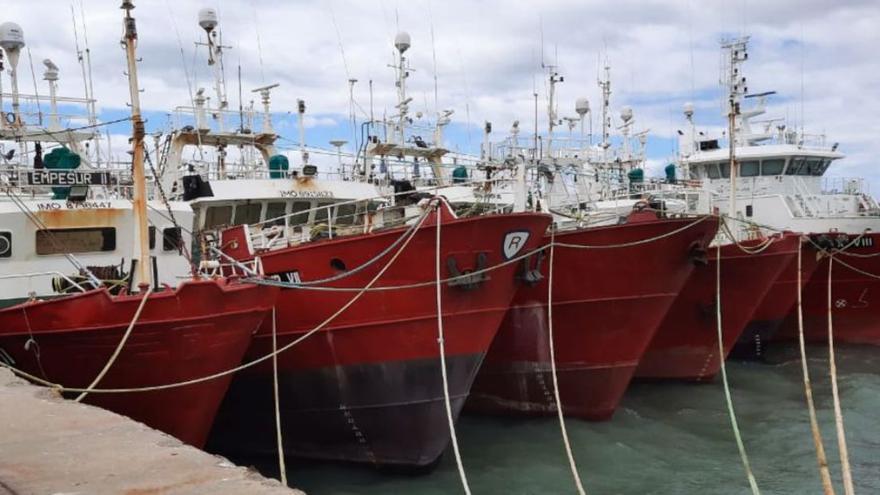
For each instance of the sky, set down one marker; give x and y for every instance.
(485, 55)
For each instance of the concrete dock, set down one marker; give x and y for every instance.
(49, 445)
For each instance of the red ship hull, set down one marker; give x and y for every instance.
(778, 303)
(201, 328)
(855, 296)
(607, 304)
(367, 387)
(686, 345)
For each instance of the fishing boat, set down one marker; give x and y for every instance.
(601, 327)
(686, 344)
(782, 184)
(367, 387)
(160, 336)
(779, 302)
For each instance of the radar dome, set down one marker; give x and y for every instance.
(208, 18)
(688, 109)
(582, 106)
(11, 36)
(402, 41)
(626, 114)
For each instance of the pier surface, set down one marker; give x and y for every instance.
(49, 445)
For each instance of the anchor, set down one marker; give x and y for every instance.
(528, 275)
(466, 280)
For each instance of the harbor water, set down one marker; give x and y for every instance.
(667, 438)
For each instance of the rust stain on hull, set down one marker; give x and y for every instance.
(101, 217)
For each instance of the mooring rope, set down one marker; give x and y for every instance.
(118, 350)
(733, 423)
(279, 439)
(441, 343)
(571, 462)
(236, 369)
(838, 415)
(824, 474)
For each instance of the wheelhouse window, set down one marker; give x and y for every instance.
(345, 214)
(172, 239)
(275, 212)
(247, 213)
(772, 167)
(712, 171)
(84, 240)
(725, 169)
(813, 167)
(749, 168)
(795, 165)
(299, 212)
(217, 216)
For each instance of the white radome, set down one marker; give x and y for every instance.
(208, 19)
(582, 106)
(402, 41)
(11, 36)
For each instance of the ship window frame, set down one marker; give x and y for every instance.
(345, 217)
(724, 167)
(776, 160)
(813, 164)
(824, 167)
(46, 242)
(173, 240)
(753, 172)
(300, 217)
(250, 216)
(210, 212)
(6, 236)
(323, 211)
(794, 165)
(710, 168)
(151, 233)
(268, 219)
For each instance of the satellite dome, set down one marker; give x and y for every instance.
(688, 109)
(402, 41)
(11, 36)
(582, 106)
(626, 114)
(208, 18)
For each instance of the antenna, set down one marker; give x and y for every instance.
(12, 41)
(90, 95)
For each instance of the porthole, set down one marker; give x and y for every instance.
(5, 244)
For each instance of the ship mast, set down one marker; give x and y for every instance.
(139, 197)
(737, 89)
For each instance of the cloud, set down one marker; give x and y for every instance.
(818, 54)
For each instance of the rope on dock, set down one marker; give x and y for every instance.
(824, 474)
(118, 350)
(279, 439)
(838, 415)
(441, 343)
(733, 423)
(565, 441)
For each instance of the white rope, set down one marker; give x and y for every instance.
(838, 415)
(571, 462)
(639, 242)
(244, 366)
(827, 487)
(733, 423)
(442, 344)
(279, 439)
(118, 350)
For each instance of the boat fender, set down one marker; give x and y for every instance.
(468, 281)
(528, 275)
(697, 254)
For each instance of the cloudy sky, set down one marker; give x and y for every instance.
(820, 55)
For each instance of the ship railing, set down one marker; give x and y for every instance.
(71, 109)
(845, 185)
(55, 274)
